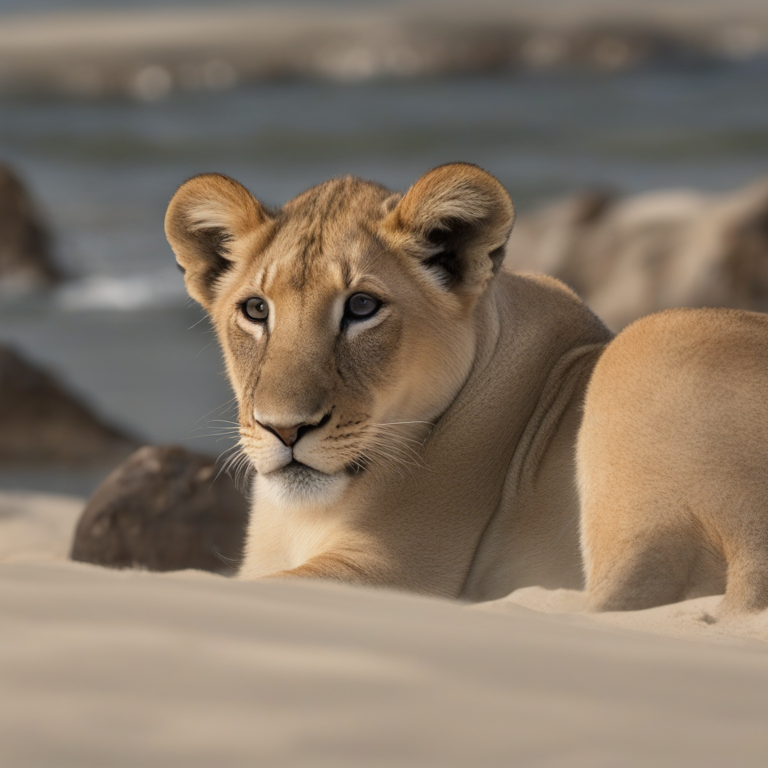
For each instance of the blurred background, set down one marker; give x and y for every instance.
(106, 107)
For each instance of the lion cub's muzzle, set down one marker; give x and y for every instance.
(291, 435)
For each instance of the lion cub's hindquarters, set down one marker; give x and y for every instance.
(673, 463)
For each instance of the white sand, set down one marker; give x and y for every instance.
(106, 668)
(691, 619)
(35, 527)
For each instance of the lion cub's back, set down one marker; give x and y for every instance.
(685, 373)
(673, 455)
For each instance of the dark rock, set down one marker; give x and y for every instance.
(41, 423)
(164, 509)
(25, 261)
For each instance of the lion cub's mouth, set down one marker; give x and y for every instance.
(298, 483)
(298, 472)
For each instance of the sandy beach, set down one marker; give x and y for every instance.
(126, 668)
(129, 668)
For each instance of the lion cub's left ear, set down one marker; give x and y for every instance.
(206, 218)
(456, 219)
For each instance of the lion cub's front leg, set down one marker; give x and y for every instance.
(330, 566)
(672, 459)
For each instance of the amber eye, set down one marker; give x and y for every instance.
(256, 309)
(359, 306)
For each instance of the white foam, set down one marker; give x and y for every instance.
(127, 293)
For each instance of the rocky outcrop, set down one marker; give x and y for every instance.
(42, 423)
(25, 260)
(164, 509)
(631, 256)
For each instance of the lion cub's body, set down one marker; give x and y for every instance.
(412, 411)
(673, 462)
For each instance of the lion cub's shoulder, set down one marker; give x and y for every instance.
(547, 283)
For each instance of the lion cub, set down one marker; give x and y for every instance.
(417, 417)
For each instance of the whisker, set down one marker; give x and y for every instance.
(400, 446)
(190, 303)
(217, 409)
(226, 462)
(215, 431)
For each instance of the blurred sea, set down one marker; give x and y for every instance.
(123, 334)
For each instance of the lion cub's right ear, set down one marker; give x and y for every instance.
(205, 219)
(456, 219)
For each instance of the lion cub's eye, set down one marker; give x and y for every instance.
(255, 309)
(359, 306)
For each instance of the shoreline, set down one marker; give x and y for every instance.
(147, 54)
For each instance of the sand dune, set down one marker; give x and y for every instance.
(129, 668)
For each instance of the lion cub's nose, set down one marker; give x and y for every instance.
(289, 436)
(286, 435)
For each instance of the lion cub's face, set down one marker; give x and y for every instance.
(346, 317)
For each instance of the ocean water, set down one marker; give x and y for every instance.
(122, 332)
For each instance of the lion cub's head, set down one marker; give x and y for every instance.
(346, 317)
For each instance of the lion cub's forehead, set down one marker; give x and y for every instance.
(326, 232)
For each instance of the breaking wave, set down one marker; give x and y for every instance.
(123, 293)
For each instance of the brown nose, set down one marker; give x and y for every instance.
(289, 436)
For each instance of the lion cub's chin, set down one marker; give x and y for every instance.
(297, 485)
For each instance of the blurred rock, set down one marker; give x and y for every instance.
(164, 509)
(25, 261)
(628, 257)
(42, 423)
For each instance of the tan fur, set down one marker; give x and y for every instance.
(437, 439)
(673, 460)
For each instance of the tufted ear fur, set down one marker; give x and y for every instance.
(206, 217)
(456, 219)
